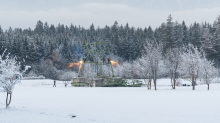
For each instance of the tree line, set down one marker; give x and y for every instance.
(54, 47)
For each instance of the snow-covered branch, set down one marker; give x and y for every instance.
(172, 63)
(9, 75)
(191, 65)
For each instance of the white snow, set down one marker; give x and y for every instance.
(36, 101)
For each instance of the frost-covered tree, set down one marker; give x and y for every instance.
(9, 75)
(154, 52)
(208, 70)
(145, 70)
(47, 69)
(191, 64)
(89, 73)
(172, 63)
(66, 77)
(119, 70)
(125, 70)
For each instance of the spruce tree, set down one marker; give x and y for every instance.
(170, 38)
(185, 34)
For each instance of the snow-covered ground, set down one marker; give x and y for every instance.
(36, 101)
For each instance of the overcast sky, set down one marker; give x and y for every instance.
(138, 13)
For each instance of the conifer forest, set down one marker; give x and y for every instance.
(50, 47)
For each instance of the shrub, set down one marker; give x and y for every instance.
(116, 83)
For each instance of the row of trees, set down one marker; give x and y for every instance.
(59, 45)
(187, 63)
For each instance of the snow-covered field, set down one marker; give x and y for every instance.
(36, 101)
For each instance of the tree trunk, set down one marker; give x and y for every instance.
(149, 84)
(193, 85)
(171, 82)
(193, 82)
(208, 86)
(155, 79)
(155, 85)
(174, 85)
(8, 103)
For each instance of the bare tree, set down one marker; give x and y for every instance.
(172, 63)
(145, 70)
(191, 64)
(154, 53)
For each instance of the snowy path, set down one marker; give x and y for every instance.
(34, 103)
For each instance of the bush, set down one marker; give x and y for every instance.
(122, 83)
(116, 83)
(135, 83)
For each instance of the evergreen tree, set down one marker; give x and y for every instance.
(207, 45)
(216, 36)
(32, 57)
(125, 42)
(195, 35)
(39, 29)
(170, 38)
(150, 33)
(114, 38)
(185, 34)
(178, 35)
(46, 28)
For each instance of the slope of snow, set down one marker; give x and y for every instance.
(36, 101)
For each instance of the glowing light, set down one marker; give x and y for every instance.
(113, 63)
(78, 64)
